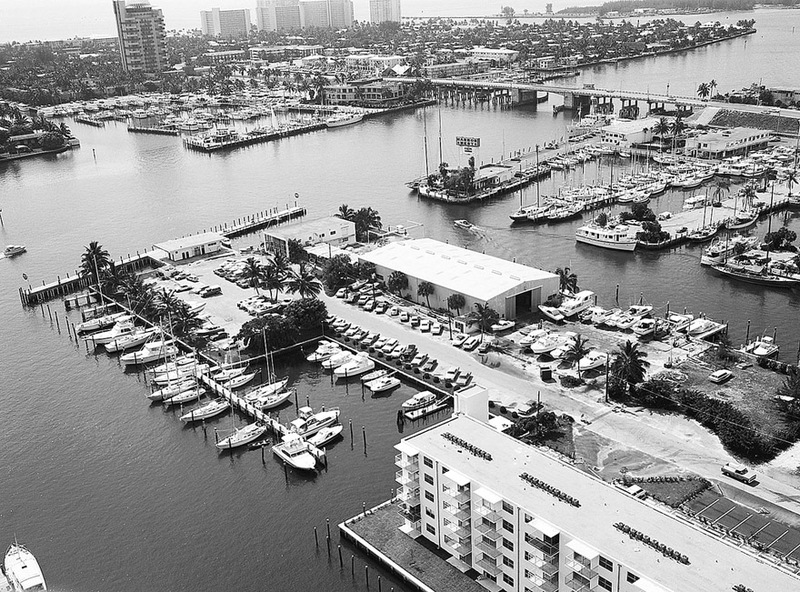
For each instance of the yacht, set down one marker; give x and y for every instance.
(613, 237)
(324, 351)
(419, 401)
(337, 360)
(242, 436)
(101, 322)
(134, 339)
(187, 396)
(531, 213)
(551, 313)
(265, 390)
(383, 384)
(272, 400)
(342, 121)
(14, 250)
(170, 391)
(577, 303)
(644, 327)
(149, 353)
(762, 347)
(121, 329)
(309, 423)
(547, 343)
(593, 359)
(358, 365)
(743, 219)
(22, 570)
(295, 452)
(719, 251)
(325, 436)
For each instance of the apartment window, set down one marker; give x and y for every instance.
(508, 579)
(528, 556)
(508, 507)
(604, 583)
(508, 526)
(606, 563)
(508, 562)
(429, 513)
(632, 578)
(528, 574)
(508, 544)
(428, 479)
(429, 496)
(430, 529)
(427, 462)
(528, 518)
(445, 470)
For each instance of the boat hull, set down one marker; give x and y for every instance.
(607, 244)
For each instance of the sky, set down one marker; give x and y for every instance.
(25, 20)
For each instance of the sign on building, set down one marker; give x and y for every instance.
(469, 147)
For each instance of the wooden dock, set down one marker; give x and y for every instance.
(159, 131)
(254, 137)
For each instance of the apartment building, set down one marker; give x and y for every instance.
(382, 11)
(225, 23)
(278, 15)
(142, 36)
(287, 15)
(528, 522)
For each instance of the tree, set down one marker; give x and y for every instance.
(629, 365)
(304, 283)
(577, 351)
(253, 272)
(791, 179)
(721, 188)
(397, 282)
(306, 314)
(51, 141)
(781, 240)
(485, 317)
(185, 321)
(601, 220)
(278, 332)
(272, 280)
(111, 278)
(281, 263)
(661, 128)
(167, 303)
(712, 86)
(297, 252)
(456, 302)
(94, 260)
(345, 212)
(337, 272)
(425, 289)
(366, 219)
(567, 281)
(703, 90)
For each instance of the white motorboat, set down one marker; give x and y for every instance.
(700, 326)
(98, 323)
(577, 303)
(533, 337)
(14, 250)
(324, 351)
(599, 315)
(547, 343)
(207, 411)
(381, 385)
(551, 313)
(22, 570)
(296, 452)
(679, 321)
(374, 375)
(625, 321)
(640, 310)
(242, 436)
(325, 436)
(170, 391)
(151, 352)
(618, 238)
(342, 121)
(644, 327)
(419, 401)
(122, 328)
(266, 390)
(593, 359)
(337, 360)
(502, 325)
(134, 339)
(358, 365)
(762, 347)
(309, 423)
(272, 400)
(187, 396)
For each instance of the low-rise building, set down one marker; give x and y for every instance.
(225, 57)
(371, 91)
(188, 247)
(280, 53)
(508, 287)
(499, 55)
(622, 133)
(331, 230)
(372, 64)
(459, 68)
(726, 143)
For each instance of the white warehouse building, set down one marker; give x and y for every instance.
(509, 288)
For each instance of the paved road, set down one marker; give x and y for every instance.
(667, 437)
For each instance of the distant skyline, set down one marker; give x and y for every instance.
(27, 20)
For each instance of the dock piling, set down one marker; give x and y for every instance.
(366, 574)
(58, 326)
(353, 565)
(316, 537)
(350, 421)
(328, 526)
(339, 549)
(364, 434)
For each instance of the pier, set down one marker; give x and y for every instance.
(89, 120)
(255, 137)
(159, 131)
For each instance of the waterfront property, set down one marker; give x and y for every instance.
(727, 143)
(180, 249)
(508, 287)
(525, 520)
(332, 231)
(627, 133)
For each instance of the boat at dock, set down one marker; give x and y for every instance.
(207, 411)
(170, 391)
(704, 234)
(296, 452)
(155, 350)
(135, 339)
(617, 237)
(341, 121)
(122, 328)
(22, 570)
(14, 250)
(242, 436)
(102, 322)
(532, 213)
(187, 396)
(265, 390)
(764, 347)
(272, 400)
(419, 401)
(325, 436)
(324, 351)
(719, 251)
(239, 381)
(743, 219)
(760, 277)
(358, 365)
(381, 385)
(309, 423)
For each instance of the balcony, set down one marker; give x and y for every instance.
(547, 567)
(457, 512)
(460, 530)
(578, 584)
(488, 549)
(548, 584)
(406, 463)
(488, 565)
(405, 478)
(488, 531)
(454, 494)
(581, 568)
(545, 548)
(409, 494)
(488, 513)
(411, 516)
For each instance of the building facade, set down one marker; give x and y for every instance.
(280, 53)
(383, 11)
(727, 143)
(288, 15)
(225, 23)
(142, 36)
(330, 231)
(188, 247)
(278, 15)
(527, 522)
(377, 91)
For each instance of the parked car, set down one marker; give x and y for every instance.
(341, 292)
(369, 305)
(414, 321)
(404, 316)
(209, 291)
(409, 352)
(389, 346)
(436, 328)
(351, 298)
(720, 376)
(425, 325)
(471, 343)
(459, 339)
(394, 311)
(430, 365)
(739, 472)
(419, 359)
(381, 307)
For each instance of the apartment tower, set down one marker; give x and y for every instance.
(142, 37)
(230, 24)
(383, 11)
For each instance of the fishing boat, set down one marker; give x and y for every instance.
(207, 411)
(358, 365)
(296, 452)
(134, 339)
(265, 390)
(616, 237)
(22, 570)
(383, 384)
(325, 436)
(14, 250)
(759, 277)
(149, 353)
(272, 400)
(341, 121)
(242, 436)
(419, 401)
(764, 347)
(309, 423)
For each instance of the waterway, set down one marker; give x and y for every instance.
(111, 493)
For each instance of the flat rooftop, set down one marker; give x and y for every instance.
(714, 564)
(629, 127)
(468, 272)
(187, 242)
(308, 228)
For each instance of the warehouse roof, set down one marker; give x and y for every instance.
(188, 242)
(471, 273)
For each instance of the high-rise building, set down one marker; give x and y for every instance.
(225, 23)
(525, 520)
(142, 37)
(278, 15)
(382, 11)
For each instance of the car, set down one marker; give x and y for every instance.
(484, 347)
(394, 311)
(362, 300)
(357, 285)
(459, 339)
(381, 307)
(430, 365)
(209, 291)
(341, 292)
(419, 359)
(720, 376)
(414, 320)
(404, 317)
(369, 305)
(389, 346)
(436, 328)
(452, 374)
(471, 343)
(351, 298)
(739, 472)
(409, 352)
(425, 325)
(369, 339)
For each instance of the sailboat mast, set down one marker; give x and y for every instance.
(441, 158)
(425, 145)
(538, 175)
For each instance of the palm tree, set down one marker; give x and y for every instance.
(366, 219)
(629, 364)
(721, 187)
(484, 316)
(304, 283)
(94, 259)
(676, 128)
(712, 87)
(456, 302)
(253, 272)
(661, 128)
(703, 90)
(111, 279)
(185, 321)
(425, 289)
(397, 282)
(791, 179)
(577, 351)
(345, 212)
(567, 281)
(272, 279)
(748, 194)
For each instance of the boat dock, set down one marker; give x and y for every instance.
(159, 131)
(261, 220)
(250, 138)
(88, 120)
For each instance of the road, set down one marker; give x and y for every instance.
(667, 437)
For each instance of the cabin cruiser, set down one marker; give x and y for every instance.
(22, 570)
(419, 401)
(309, 423)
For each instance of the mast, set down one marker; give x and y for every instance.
(441, 158)
(769, 225)
(538, 175)
(425, 145)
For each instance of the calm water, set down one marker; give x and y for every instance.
(112, 493)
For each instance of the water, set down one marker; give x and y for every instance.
(112, 493)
